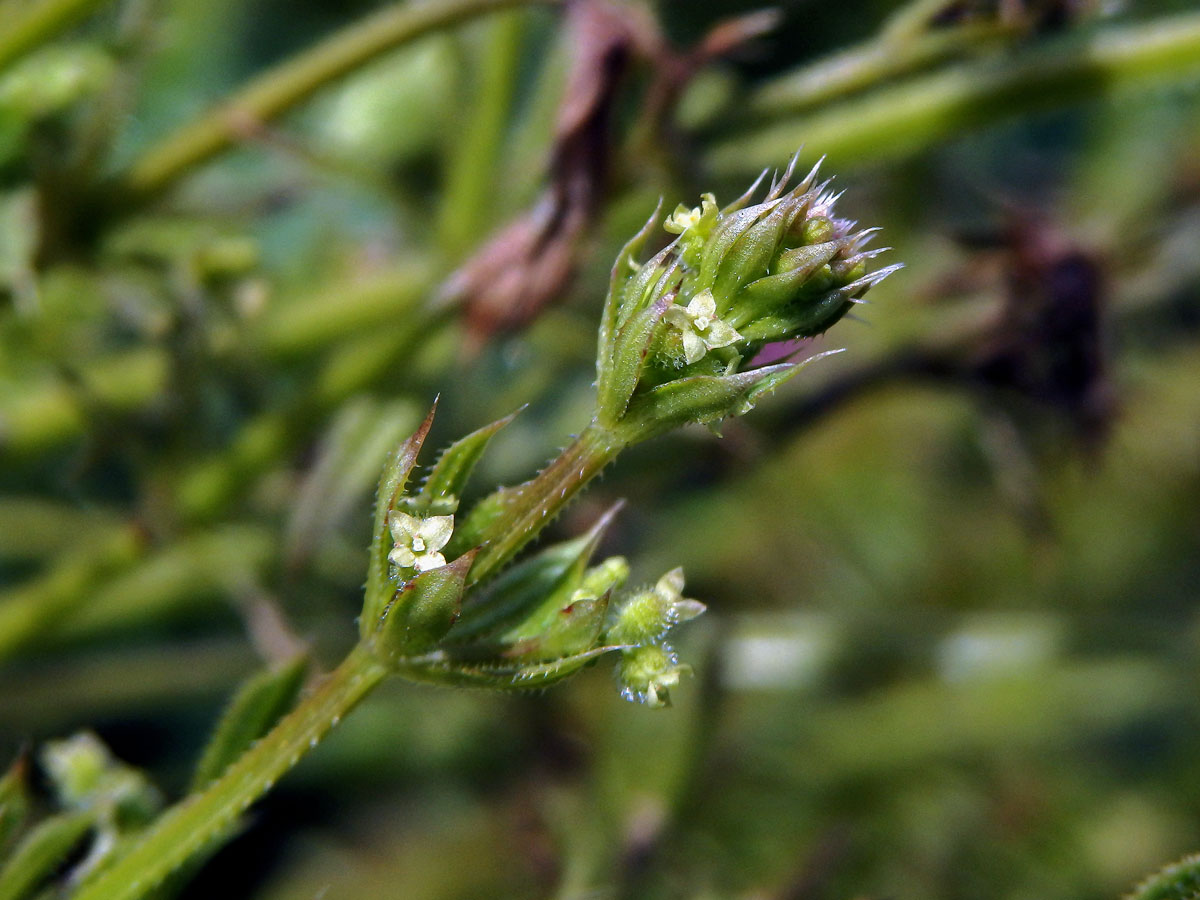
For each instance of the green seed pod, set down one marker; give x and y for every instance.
(648, 615)
(647, 674)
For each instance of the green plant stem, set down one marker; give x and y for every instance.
(473, 151)
(529, 507)
(866, 65)
(187, 827)
(37, 21)
(285, 86)
(923, 110)
(114, 582)
(34, 609)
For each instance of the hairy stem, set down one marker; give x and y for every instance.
(192, 823)
(923, 110)
(283, 87)
(529, 507)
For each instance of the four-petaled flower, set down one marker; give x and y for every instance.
(700, 327)
(684, 218)
(419, 540)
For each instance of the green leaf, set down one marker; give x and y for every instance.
(524, 600)
(776, 292)
(423, 610)
(574, 629)
(451, 669)
(43, 850)
(14, 803)
(702, 399)
(622, 271)
(380, 588)
(442, 489)
(630, 351)
(261, 701)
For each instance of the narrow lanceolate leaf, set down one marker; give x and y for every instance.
(622, 271)
(261, 701)
(703, 399)
(41, 852)
(699, 399)
(574, 629)
(630, 350)
(14, 803)
(395, 475)
(445, 669)
(531, 592)
(441, 491)
(804, 322)
(423, 610)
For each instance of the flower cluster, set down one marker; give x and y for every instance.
(430, 618)
(679, 327)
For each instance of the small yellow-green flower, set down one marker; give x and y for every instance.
(700, 327)
(684, 218)
(417, 541)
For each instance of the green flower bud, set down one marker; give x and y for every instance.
(732, 281)
(87, 776)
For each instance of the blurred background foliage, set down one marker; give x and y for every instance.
(952, 574)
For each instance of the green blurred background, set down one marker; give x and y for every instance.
(952, 641)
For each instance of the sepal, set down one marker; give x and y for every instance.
(528, 597)
(706, 399)
(440, 493)
(422, 611)
(380, 585)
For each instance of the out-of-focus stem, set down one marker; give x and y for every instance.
(923, 110)
(863, 66)
(45, 413)
(114, 582)
(294, 81)
(38, 415)
(473, 151)
(23, 30)
(36, 607)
